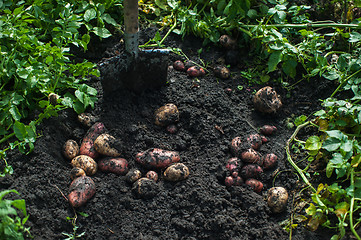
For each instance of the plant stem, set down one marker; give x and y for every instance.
(343, 81)
(307, 25)
(352, 226)
(289, 158)
(7, 137)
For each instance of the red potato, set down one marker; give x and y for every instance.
(107, 145)
(264, 139)
(251, 156)
(268, 130)
(152, 175)
(82, 189)
(233, 181)
(196, 71)
(251, 171)
(179, 66)
(256, 185)
(76, 172)
(86, 163)
(255, 140)
(70, 149)
(269, 161)
(87, 145)
(233, 165)
(118, 166)
(229, 181)
(157, 158)
(236, 146)
(188, 64)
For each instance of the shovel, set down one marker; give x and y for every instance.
(134, 69)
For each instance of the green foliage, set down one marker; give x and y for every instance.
(13, 217)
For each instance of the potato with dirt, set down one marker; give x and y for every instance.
(234, 165)
(255, 184)
(277, 198)
(87, 145)
(157, 158)
(86, 163)
(251, 171)
(152, 175)
(145, 188)
(82, 189)
(107, 145)
(266, 100)
(196, 71)
(268, 130)
(221, 72)
(227, 42)
(70, 149)
(251, 156)
(118, 165)
(179, 66)
(87, 119)
(176, 172)
(269, 161)
(166, 115)
(133, 175)
(237, 146)
(76, 172)
(255, 140)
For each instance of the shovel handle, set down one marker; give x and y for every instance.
(131, 26)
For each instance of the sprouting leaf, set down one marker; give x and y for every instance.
(313, 143)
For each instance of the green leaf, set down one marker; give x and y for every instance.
(273, 60)
(331, 144)
(354, 37)
(329, 169)
(19, 130)
(14, 111)
(90, 14)
(289, 67)
(313, 143)
(335, 134)
(101, 32)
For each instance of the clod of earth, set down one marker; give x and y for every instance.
(81, 190)
(118, 166)
(176, 172)
(172, 128)
(157, 158)
(70, 149)
(107, 145)
(145, 188)
(86, 163)
(277, 198)
(266, 100)
(166, 115)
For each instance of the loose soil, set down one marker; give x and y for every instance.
(200, 207)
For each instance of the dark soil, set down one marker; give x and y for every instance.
(200, 207)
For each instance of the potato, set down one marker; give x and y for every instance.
(251, 156)
(256, 185)
(233, 165)
(86, 163)
(87, 119)
(255, 141)
(133, 175)
(233, 181)
(157, 158)
(107, 145)
(152, 175)
(118, 166)
(236, 146)
(196, 71)
(251, 171)
(166, 115)
(87, 145)
(70, 149)
(264, 139)
(227, 42)
(145, 188)
(81, 190)
(176, 172)
(277, 199)
(179, 66)
(266, 100)
(53, 98)
(221, 72)
(188, 64)
(268, 130)
(76, 172)
(269, 161)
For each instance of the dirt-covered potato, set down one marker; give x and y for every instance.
(251, 156)
(87, 145)
(268, 130)
(277, 199)
(118, 166)
(255, 141)
(81, 190)
(107, 145)
(256, 185)
(70, 149)
(145, 188)
(86, 163)
(236, 146)
(53, 98)
(179, 66)
(222, 72)
(196, 71)
(76, 172)
(269, 161)
(157, 158)
(133, 175)
(227, 42)
(251, 171)
(176, 172)
(233, 165)
(266, 100)
(87, 119)
(166, 115)
(152, 175)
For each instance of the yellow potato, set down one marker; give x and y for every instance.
(76, 172)
(166, 115)
(107, 145)
(176, 172)
(70, 149)
(86, 163)
(277, 199)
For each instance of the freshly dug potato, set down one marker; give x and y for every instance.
(266, 100)
(152, 175)
(118, 166)
(176, 172)
(157, 158)
(269, 161)
(251, 171)
(87, 119)
(233, 165)
(227, 42)
(107, 145)
(268, 130)
(86, 163)
(277, 199)
(256, 185)
(145, 188)
(251, 156)
(196, 71)
(87, 145)
(188, 64)
(76, 172)
(228, 181)
(133, 175)
(222, 72)
(81, 190)
(179, 66)
(53, 98)
(70, 149)
(255, 140)
(264, 139)
(166, 115)
(236, 146)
